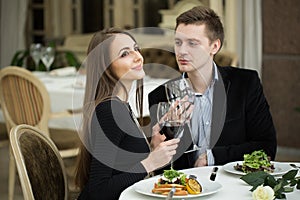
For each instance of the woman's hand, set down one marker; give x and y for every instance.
(161, 155)
(156, 138)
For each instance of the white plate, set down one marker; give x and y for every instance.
(280, 168)
(145, 187)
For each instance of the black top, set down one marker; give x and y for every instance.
(117, 148)
(248, 123)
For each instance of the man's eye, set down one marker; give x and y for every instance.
(177, 42)
(125, 53)
(192, 43)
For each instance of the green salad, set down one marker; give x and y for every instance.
(256, 161)
(173, 176)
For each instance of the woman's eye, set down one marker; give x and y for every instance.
(125, 53)
(137, 49)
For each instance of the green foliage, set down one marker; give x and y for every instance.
(62, 59)
(280, 186)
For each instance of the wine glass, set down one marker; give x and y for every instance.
(181, 90)
(35, 52)
(47, 56)
(171, 117)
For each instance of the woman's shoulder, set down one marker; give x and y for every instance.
(114, 105)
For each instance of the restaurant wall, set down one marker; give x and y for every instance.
(281, 67)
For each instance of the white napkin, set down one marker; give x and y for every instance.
(66, 71)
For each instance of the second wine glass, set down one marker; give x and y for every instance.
(35, 52)
(47, 57)
(180, 89)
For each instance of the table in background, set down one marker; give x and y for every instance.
(67, 93)
(232, 186)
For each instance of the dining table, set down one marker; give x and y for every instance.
(227, 184)
(66, 91)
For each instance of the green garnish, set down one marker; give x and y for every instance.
(170, 174)
(256, 159)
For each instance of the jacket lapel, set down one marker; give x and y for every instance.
(219, 106)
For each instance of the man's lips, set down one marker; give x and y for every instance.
(183, 61)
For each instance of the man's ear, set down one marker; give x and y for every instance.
(215, 46)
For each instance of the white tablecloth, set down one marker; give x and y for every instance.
(232, 186)
(67, 92)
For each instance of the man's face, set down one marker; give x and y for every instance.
(193, 48)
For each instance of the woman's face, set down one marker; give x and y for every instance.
(127, 62)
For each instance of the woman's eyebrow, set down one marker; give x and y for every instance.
(124, 48)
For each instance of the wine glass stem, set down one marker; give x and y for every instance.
(37, 66)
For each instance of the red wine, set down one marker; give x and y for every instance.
(171, 129)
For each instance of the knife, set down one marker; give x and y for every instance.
(171, 193)
(213, 174)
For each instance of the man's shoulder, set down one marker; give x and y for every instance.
(232, 72)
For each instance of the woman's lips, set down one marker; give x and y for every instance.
(139, 67)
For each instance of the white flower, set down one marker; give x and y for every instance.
(263, 193)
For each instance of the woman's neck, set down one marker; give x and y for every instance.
(121, 94)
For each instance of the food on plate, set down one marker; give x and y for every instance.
(184, 185)
(193, 186)
(256, 161)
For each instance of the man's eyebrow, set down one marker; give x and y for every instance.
(188, 39)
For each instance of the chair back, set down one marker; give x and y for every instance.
(226, 58)
(24, 99)
(40, 167)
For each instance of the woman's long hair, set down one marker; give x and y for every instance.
(101, 83)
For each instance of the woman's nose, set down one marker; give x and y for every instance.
(138, 56)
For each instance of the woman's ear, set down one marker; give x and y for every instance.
(215, 46)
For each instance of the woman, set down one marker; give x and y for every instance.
(115, 153)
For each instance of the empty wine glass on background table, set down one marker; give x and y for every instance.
(35, 52)
(47, 56)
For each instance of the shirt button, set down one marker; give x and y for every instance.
(207, 123)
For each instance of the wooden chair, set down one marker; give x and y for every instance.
(25, 100)
(226, 58)
(40, 167)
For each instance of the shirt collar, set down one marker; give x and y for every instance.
(215, 72)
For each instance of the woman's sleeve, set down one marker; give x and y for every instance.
(113, 168)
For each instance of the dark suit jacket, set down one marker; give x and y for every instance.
(248, 123)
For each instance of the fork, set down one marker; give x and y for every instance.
(171, 193)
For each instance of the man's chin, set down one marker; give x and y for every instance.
(185, 68)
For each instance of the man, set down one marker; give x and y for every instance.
(231, 115)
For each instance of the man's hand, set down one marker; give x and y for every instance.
(201, 161)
